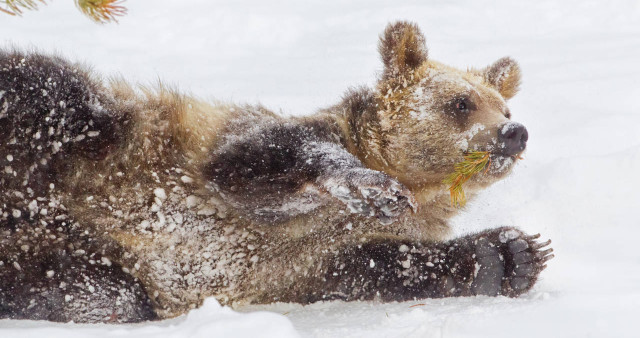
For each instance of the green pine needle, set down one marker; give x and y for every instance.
(15, 7)
(474, 162)
(101, 11)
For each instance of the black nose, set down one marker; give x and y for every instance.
(512, 138)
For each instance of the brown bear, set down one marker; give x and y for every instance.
(122, 204)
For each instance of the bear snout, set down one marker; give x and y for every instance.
(512, 138)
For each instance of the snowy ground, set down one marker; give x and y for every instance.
(578, 185)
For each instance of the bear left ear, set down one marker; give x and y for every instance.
(504, 76)
(402, 48)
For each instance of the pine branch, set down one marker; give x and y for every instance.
(473, 163)
(15, 7)
(102, 11)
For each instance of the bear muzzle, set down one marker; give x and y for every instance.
(512, 139)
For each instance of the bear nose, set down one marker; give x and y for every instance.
(512, 138)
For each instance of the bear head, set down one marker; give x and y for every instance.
(427, 115)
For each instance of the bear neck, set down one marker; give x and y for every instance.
(358, 114)
(357, 117)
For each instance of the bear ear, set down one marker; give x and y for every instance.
(504, 76)
(402, 48)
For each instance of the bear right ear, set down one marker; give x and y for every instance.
(402, 48)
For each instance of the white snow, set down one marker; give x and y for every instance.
(186, 179)
(578, 185)
(463, 142)
(191, 201)
(160, 194)
(106, 261)
(211, 320)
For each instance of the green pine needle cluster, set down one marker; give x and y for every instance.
(15, 7)
(473, 163)
(100, 11)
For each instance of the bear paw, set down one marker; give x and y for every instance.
(372, 193)
(387, 203)
(508, 262)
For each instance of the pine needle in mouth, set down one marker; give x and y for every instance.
(473, 163)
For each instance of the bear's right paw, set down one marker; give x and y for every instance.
(372, 193)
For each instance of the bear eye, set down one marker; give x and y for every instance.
(463, 105)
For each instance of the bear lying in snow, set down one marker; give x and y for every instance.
(121, 205)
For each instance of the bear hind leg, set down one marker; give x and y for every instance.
(62, 288)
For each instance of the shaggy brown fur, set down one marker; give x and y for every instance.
(124, 204)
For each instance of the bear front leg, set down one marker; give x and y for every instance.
(364, 191)
(502, 261)
(289, 169)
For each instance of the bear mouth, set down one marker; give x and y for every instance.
(501, 164)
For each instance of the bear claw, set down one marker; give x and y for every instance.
(542, 244)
